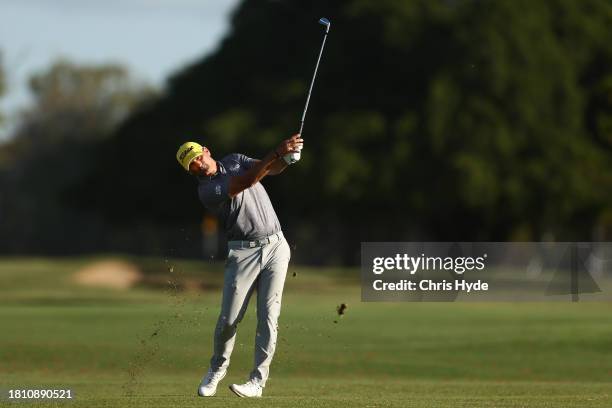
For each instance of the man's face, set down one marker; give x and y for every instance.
(203, 165)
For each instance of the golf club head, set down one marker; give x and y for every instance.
(325, 22)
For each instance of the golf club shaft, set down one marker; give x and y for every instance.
(312, 83)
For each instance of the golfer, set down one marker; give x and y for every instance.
(258, 253)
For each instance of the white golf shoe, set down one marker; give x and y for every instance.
(208, 386)
(250, 389)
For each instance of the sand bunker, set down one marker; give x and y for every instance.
(112, 273)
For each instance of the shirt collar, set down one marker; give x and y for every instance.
(220, 171)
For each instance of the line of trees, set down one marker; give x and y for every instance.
(75, 107)
(430, 120)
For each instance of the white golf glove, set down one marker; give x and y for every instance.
(291, 158)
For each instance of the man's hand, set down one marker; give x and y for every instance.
(292, 145)
(272, 163)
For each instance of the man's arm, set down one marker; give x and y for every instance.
(266, 166)
(278, 166)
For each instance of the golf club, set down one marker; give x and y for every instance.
(293, 157)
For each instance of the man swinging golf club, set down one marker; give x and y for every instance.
(258, 253)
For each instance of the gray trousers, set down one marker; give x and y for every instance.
(263, 268)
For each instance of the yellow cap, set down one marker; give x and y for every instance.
(187, 152)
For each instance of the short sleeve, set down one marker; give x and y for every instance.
(244, 161)
(213, 193)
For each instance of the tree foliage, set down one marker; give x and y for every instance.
(79, 102)
(434, 119)
(75, 107)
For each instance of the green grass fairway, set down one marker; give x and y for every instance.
(149, 347)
